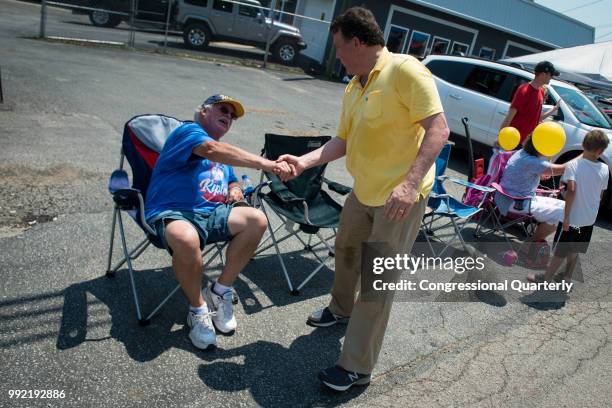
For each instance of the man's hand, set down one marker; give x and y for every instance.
(400, 202)
(282, 169)
(566, 225)
(296, 164)
(234, 195)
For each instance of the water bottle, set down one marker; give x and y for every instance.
(247, 185)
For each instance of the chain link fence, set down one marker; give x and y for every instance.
(243, 29)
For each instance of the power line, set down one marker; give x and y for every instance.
(583, 6)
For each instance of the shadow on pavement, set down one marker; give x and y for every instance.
(299, 79)
(80, 313)
(290, 380)
(254, 55)
(266, 273)
(141, 343)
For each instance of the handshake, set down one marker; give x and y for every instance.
(286, 167)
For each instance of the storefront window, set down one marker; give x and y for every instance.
(439, 46)
(460, 49)
(396, 39)
(487, 53)
(418, 44)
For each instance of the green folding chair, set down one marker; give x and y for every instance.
(301, 204)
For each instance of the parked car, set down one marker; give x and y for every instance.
(202, 21)
(110, 13)
(482, 90)
(605, 104)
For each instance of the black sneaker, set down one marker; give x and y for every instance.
(337, 378)
(324, 318)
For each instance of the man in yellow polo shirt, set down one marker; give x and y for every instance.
(391, 130)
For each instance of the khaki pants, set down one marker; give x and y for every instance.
(368, 320)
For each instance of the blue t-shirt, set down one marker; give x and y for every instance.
(521, 178)
(184, 181)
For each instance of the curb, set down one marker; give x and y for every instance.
(192, 56)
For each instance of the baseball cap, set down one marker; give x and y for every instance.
(219, 98)
(546, 67)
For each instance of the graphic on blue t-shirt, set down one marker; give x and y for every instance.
(213, 185)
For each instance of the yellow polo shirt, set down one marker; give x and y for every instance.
(380, 125)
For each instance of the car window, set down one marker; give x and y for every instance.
(201, 3)
(222, 5)
(548, 98)
(510, 85)
(485, 80)
(248, 11)
(582, 107)
(454, 72)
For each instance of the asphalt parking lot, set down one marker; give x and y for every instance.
(67, 327)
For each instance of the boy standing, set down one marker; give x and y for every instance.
(586, 178)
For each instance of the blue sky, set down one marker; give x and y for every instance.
(596, 13)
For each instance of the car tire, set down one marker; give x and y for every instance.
(197, 36)
(286, 51)
(104, 19)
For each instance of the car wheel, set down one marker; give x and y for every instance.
(103, 19)
(286, 51)
(196, 36)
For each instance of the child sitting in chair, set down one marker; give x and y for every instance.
(586, 179)
(521, 178)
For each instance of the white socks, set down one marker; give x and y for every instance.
(198, 310)
(220, 289)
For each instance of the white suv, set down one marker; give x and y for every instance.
(482, 90)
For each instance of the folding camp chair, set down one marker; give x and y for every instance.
(143, 139)
(492, 214)
(444, 206)
(300, 201)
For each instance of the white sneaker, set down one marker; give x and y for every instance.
(223, 311)
(202, 333)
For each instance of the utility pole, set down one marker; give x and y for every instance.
(43, 19)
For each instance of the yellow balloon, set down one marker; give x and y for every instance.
(508, 138)
(548, 138)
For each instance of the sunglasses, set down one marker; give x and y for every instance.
(225, 110)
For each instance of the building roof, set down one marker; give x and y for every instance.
(521, 17)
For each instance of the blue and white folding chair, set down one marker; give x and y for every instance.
(444, 207)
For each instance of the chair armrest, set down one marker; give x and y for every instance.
(127, 198)
(434, 195)
(337, 187)
(549, 192)
(118, 180)
(501, 190)
(281, 191)
(470, 185)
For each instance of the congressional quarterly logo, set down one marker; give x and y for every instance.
(455, 276)
(213, 187)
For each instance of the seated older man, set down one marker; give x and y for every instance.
(191, 200)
